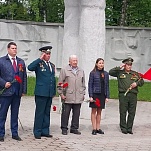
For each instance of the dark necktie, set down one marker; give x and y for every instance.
(48, 66)
(14, 65)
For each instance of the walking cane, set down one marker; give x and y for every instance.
(21, 124)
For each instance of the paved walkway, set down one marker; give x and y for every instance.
(112, 140)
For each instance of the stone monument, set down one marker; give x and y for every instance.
(84, 33)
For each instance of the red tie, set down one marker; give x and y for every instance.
(14, 65)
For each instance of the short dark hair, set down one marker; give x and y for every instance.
(11, 43)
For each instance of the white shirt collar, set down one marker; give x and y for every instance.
(10, 57)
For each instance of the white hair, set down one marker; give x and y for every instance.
(72, 56)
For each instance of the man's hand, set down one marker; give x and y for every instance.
(42, 56)
(106, 100)
(91, 99)
(133, 85)
(63, 97)
(122, 66)
(7, 85)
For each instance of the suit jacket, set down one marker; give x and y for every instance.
(45, 79)
(7, 74)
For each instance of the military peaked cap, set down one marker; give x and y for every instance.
(46, 49)
(128, 61)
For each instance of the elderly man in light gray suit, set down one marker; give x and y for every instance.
(72, 96)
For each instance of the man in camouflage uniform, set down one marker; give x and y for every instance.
(128, 82)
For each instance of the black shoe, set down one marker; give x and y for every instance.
(64, 132)
(130, 132)
(75, 132)
(94, 132)
(16, 138)
(47, 135)
(37, 137)
(124, 132)
(99, 131)
(1, 139)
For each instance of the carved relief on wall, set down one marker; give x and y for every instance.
(124, 43)
(29, 38)
(120, 43)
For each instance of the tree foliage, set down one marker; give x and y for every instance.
(128, 13)
(118, 12)
(33, 10)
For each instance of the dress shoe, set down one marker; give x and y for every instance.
(130, 132)
(1, 139)
(99, 131)
(75, 132)
(94, 132)
(47, 135)
(16, 138)
(124, 132)
(37, 137)
(64, 132)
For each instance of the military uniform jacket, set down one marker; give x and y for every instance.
(7, 74)
(126, 79)
(45, 79)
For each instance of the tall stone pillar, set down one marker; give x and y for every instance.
(92, 33)
(84, 33)
(71, 29)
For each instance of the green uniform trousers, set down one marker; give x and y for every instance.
(42, 115)
(127, 108)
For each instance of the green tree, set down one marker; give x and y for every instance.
(118, 12)
(138, 13)
(13, 10)
(128, 13)
(47, 10)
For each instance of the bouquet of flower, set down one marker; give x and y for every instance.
(135, 78)
(63, 86)
(54, 108)
(96, 101)
(146, 75)
(16, 79)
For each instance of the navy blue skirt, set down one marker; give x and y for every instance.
(101, 98)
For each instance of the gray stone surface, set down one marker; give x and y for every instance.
(112, 140)
(121, 42)
(84, 32)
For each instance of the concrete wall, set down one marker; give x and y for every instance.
(121, 42)
(29, 37)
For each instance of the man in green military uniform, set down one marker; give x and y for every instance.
(128, 82)
(45, 90)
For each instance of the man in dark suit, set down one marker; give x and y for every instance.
(11, 92)
(45, 90)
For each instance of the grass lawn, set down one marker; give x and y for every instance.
(143, 95)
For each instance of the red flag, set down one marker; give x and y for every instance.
(146, 75)
(141, 75)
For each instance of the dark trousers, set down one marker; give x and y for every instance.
(14, 102)
(66, 108)
(127, 105)
(42, 115)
